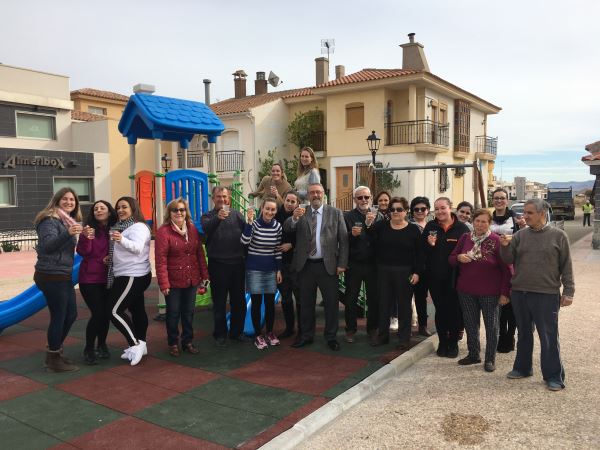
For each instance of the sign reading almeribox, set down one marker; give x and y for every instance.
(18, 160)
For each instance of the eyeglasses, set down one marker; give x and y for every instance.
(397, 210)
(419, 210)
(363, 197)
(499, 198)
(178, 210)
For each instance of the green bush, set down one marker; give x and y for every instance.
(8, 247)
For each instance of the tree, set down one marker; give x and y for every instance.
(301, 130)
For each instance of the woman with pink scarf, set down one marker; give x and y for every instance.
(180, 268)
(57, 227)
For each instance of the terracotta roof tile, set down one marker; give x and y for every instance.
(85, 116)
(592, 157)
(238, 105)
(100, 94)
(593, 147)
(368, 75)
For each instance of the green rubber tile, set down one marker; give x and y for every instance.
(58, 414)
(340, 388)
(78, 329)
(16, 435)
(251, 397)
(359, 349)
(206, 420)
(14, 329)
(219, 360)
(32, 366)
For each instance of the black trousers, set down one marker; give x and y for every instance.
(96, 298)
(257, 300)
(420, 292)
(288, 289)
(394, 289)
(508, 323)
(228, 279)
(127, 293)
(587, 218)
(312, 276)
(448, 315)
(355, 275)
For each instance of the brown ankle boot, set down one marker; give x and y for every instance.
(55, 363)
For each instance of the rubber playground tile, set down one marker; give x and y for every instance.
(57, 413)
(219, 360)
(8, 350)
(39, 320)
(36, 339)
(206, 420)
(251, 397)
(167, 374)
(32, 366)
(17, 435)
(16, 385)
(359, 349)
(133, 433)
(262, 438)
(14, 329)
(123, 394)
(304, 359)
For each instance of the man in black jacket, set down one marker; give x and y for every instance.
(361, 267)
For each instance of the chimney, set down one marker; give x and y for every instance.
(206, 82)
(142, 88)
(260, 84)
(413, 56)
(239, 83)
(340, 71)
(322, 70)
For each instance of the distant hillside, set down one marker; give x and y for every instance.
(576, 185)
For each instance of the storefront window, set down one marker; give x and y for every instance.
(83, 187)
(7, 191)
(36, 126)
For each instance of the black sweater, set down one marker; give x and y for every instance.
(361, 249)
(223, 236)
(399, 248)
(437, 266)
(286, 238)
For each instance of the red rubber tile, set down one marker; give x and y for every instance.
(16, 385)
(118, 392)
(8, 350)
(166, 374)
(308, 360)
(132, 433)
(63, 446)
(304, 411)
(35, 339)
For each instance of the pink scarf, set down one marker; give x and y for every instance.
(182, 231)
(65, 218)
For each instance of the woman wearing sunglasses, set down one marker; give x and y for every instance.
(180, 268)
(399, 262)
(419, 208)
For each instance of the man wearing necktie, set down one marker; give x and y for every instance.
(321, 254)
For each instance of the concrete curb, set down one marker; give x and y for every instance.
(343, 402)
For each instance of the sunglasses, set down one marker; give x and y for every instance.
(363, 197)
(500, 198)
(178, 210)
(397, 210)
(419, 210)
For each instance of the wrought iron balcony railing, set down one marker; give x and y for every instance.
(230, 160)
(486, 144)
(417, 132)
(195, 159)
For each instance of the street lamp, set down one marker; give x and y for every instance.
(165, 161)
(373, 141)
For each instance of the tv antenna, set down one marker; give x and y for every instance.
(327, 46)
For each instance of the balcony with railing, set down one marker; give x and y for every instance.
(486, 147)
(230, 160)
(195, 159)
(426, 134)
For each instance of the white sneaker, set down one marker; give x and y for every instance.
(126, 353)
(394, 324)
(136, 353)
(145, 347)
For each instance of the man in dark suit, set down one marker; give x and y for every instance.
(321, 254)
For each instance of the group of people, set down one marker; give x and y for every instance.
(471, 262)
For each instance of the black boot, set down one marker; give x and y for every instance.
(502, 344)
(89, 356)
(442, 349)
(102, 351)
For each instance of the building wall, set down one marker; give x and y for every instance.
(114, 109)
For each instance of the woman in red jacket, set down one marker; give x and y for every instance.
(180, 268)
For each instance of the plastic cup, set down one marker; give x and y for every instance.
(433, 233)
(226, 208)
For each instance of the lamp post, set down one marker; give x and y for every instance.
(373, 142)
(165, 161)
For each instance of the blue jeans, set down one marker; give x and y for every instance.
(180, 305)
(60, 297)
(541, 309)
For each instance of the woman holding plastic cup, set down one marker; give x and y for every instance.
(505, 222)
(274, 185)
(93, 273)
(57, 227)
(439, 238)
(129, 275)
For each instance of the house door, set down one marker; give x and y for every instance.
(343, 187)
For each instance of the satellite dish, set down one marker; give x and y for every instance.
(273, 79)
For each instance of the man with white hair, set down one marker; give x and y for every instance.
(542, 260)
(361, 266)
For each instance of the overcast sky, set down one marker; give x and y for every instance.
(538, 60)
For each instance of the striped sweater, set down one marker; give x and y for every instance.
(262, 240)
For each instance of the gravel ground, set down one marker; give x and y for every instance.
(437, 403)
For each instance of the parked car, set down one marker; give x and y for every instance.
(518, 208)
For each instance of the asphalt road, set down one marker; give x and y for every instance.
(574, 228)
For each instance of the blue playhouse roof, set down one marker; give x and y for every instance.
(148, 116)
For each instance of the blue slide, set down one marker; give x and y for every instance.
(248, 327)
(28, 302)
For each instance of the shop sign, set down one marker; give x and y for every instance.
(45, 161)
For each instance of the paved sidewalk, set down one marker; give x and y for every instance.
(438, 404)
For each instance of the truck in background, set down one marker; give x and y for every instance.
(562, 203)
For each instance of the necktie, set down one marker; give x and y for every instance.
(313, 233)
